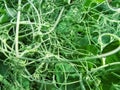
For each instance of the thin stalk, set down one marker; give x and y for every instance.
(57, 21)
(104, 66)
(112, 8)
(17, 29)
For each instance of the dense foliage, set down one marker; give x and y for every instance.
(59, 45)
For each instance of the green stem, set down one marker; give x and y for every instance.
(17, 29)
(4, 81)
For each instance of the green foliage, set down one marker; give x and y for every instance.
(59, 45)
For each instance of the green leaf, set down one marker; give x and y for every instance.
(62, 68)
(111, 46)
(109, 80)
(88, 2)
(4, 18)
(11, 12)
(105, 39)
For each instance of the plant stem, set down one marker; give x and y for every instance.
(17, 30)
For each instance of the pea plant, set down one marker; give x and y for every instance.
(59, 44)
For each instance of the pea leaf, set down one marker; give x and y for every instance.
(4, 18)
